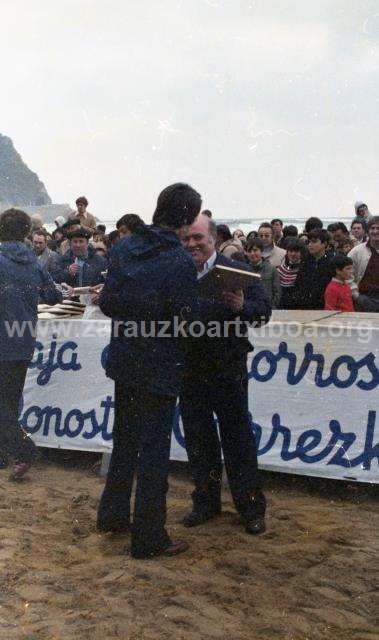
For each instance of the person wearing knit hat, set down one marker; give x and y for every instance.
(362, 211)
(59, 221)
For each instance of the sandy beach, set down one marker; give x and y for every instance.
(312, 576)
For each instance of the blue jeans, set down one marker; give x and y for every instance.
(141, 448)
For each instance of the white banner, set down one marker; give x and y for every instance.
(313, 394)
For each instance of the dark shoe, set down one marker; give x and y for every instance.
(19, 470)
(195, 518)
(172, 549)
(255, 526)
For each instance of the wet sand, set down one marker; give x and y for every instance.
(313, 576)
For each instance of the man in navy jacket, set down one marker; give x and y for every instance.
(22, 281)
(151, 280)
(81, 266)
(216, 382)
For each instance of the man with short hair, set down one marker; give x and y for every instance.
(81, 266)
(128, 224)
(365, 257)
(274, 254)
(339, 233)
(313, 223)
(150, 279)
(314, 274)
(216, 382)
(45, 256)
(277, 230)
(67, 228)
(22, 281)
(85, 217)
(358, 230)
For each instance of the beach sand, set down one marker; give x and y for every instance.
(313, 575)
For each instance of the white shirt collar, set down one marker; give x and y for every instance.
(207, 265)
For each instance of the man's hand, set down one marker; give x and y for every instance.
(235, 300)
(95, 293)
(73, 269)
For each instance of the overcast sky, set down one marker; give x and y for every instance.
(267, 107)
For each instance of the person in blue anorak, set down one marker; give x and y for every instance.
(23, 280)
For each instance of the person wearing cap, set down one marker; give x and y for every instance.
(81, 266)
(67, 228)
(59, 221)
(85, 217)
(150, 279)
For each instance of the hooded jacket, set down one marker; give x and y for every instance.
(151, 280)
(22, 281)
(358, 204)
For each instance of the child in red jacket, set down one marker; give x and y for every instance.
(338, 292)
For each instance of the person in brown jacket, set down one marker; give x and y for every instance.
(86, 218)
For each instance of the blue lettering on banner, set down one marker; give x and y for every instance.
(64, 358)
(336, 376)
(73, 425)
(339, 444)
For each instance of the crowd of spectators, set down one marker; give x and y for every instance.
(299, 269)
(333, 268)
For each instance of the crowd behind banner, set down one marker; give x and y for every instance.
(332, 268)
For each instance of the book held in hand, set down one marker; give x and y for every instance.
(221, 279)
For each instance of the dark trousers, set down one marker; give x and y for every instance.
(225, 394)
(141, 447)
(14, 442)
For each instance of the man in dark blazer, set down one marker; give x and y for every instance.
(216, 382)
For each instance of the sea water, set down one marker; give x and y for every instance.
(252, 224)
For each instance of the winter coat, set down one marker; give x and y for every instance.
(93, 267)
(360, 256)
(270, 281)
(151, 279)
(22, 281)
(275, 256)
(47, 259)
(313, 278)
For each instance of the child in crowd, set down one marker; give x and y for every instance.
(269, 275)
(338, 292)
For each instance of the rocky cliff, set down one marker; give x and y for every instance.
(19, 186)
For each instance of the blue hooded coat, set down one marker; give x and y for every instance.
(22, 281)
(151, 279)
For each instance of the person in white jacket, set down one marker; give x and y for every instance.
(365, 257)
